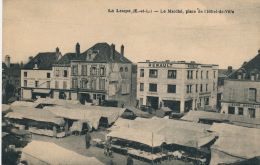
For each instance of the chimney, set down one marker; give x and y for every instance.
(77, 49)
(30, 58)
(112, 51)
(57, 50)
(122, 50)
(7, 61)
(230, 69)
(258, 51)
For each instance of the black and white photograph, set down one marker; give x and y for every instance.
(130, 82)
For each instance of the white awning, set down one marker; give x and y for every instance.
(46, 91)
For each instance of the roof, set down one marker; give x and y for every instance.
(65, 59)
(45, 61)
(252, 161)
(195, 116)
(55, 154)
(4, 66)
(223, 72)
(104, 54)
(248, 67)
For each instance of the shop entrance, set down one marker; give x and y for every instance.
(173, 105)
(153, 102)
(85, 97)
(188, 106)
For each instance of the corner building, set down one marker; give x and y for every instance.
(181, 85)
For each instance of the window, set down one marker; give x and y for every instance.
(94, 84)
(201, 75)
(126, 69)
(252, 95)
(206, 101)
(56, 84)
(206, 87)
(65, 73)
(196, 87)
(48, 84)
(231, 93)
(25, 74)
(171, 89)
(153, 87)
(207, 75)
(48, 75)
(201, 87)
(94, 96)
(121, 69)
(214, 84)
(36, 83)
(240, 111)
(84, 84)
(189, 74)
(102, 84)
(75, 70)
(102, 71)
(189, 89)
(153, 73)
(231, 110)
(172, 74)
(93, 70)
(214, 74)
(84, 70)
(197, 74)
(25, 83)
(64, 85)
(251, 112)
(142, 73)
(141, 86)
(103, 97)
(74, 83)
(57, 72)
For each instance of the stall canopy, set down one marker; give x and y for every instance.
(139, 136)
(23, 104)
(56, 101)
(163, 112)
(137, 112)
(45, 91)
(252, 161)
(240, 120)
(174, 132)
(235, 143)
(6, 108)
(38, 152)
(35, 114)
(87, 113)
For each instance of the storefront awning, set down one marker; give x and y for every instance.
(46, 91)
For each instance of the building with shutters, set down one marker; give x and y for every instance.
(181, 85)
(241, 94)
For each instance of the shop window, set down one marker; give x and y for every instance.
(171, 89)
(153, 73)
(141, 86)
(153, 87)
(231, 110)
(103, 97)
(172, 74)
(240, 111)
(24, 74)
(94, 96)
(142, 73)
(251, 112)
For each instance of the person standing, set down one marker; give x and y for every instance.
(54, 132)
(87, 140)
(112, 162)
(129, 161)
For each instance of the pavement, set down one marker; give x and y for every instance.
(77, 144)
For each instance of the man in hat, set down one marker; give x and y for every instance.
(87, 140)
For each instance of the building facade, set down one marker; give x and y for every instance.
(181, 86)
(241, 94)
(37, 74)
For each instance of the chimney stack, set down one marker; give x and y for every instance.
(230, 69)
(57, 50)
(258, 51)
(112, 51)
(122, 50)
(7, 61)
(30, 58)
(77, 49)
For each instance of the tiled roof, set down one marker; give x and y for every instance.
(253, 64)
(104, 54)
(45, 60)
(66, 58)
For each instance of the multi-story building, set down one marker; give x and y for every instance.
(241, 90)
(36, 75)
(100, 73)
(181, 86)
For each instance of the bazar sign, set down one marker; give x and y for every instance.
(164, 65)
(244, 105)
(205, 93)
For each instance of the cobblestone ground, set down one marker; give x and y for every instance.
(77, 144)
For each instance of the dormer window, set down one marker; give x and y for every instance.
(241, 74)
(254, 74)
(36, 64)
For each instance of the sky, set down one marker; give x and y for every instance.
(30, 27)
